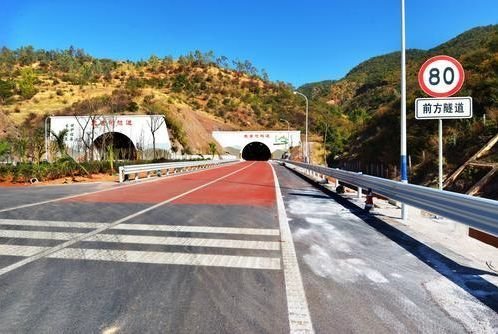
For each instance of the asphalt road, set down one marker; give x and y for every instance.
(212, 252)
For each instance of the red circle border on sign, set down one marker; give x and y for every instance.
(429, 61)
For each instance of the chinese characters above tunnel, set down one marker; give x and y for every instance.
(128, 135)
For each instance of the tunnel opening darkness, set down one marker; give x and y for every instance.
(256, 151)
(123, 147)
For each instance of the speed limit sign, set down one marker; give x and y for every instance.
(441, 76)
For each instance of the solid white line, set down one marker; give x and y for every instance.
(297, 306)
(144, 227)
(117, 222)
(13, 234)
(194, 242)
(109, 189)
(49, 223)
(197, 229)
(16, 250)
(144, 239)
(189, 259)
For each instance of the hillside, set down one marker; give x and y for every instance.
(369, 96)
(358, 116)
(197, 93)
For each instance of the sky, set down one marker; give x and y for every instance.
(294, 41)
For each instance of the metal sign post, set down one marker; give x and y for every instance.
(441, 77)
(404, 174)
(440, 142)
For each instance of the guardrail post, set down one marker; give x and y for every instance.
(359, 188)
(121, 176)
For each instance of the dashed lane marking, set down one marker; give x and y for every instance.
(188, 259)
(297, 306)
(52, 250)
(144, 239)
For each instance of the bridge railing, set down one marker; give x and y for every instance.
(476, 212)
(167, 168)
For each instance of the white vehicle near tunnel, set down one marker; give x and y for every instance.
(257, 145)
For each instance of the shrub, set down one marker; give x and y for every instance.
(59, 92)
(132, 106)
(6, 89)
(4, 172)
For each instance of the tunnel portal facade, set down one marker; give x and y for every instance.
(257, 145)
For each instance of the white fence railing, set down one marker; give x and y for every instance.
(480, 213)
(167, 168)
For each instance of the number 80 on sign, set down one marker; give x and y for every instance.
(441, 76)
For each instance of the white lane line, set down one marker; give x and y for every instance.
(144, 227)
(197, 229)
(194, 242)
(16, 234)
(51, 223)
(117, 222)
(297, 306)
(16, 250)
(144, 239)
(109, 189)
(188, 259)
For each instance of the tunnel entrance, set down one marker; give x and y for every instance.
(124, 149)
(256, 151)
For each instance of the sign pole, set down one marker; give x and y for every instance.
(440, 154)
(404, 176)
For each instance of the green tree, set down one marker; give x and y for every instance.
(21, 146)
(154, 63)
(27, 83)
(212, 148)
(60, 141)
(6, 89)
(37, 144)
(4, 148)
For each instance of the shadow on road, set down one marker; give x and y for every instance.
(465, 277)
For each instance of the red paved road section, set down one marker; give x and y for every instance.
(253, 186)
(158, 191)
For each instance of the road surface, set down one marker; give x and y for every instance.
(226, 250)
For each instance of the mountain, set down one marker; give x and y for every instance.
(197, 93)
(357, 116)
(369, 97)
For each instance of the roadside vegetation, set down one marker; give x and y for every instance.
(355, 118)
(368, 97)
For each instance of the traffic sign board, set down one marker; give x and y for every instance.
(443, 108)
(441, 76)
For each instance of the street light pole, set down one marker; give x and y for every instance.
(404, 176)
(306, 151)
(288, 133)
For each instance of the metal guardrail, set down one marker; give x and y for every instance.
(167, 168)
(476, 212)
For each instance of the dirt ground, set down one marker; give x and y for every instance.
(65, 180)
